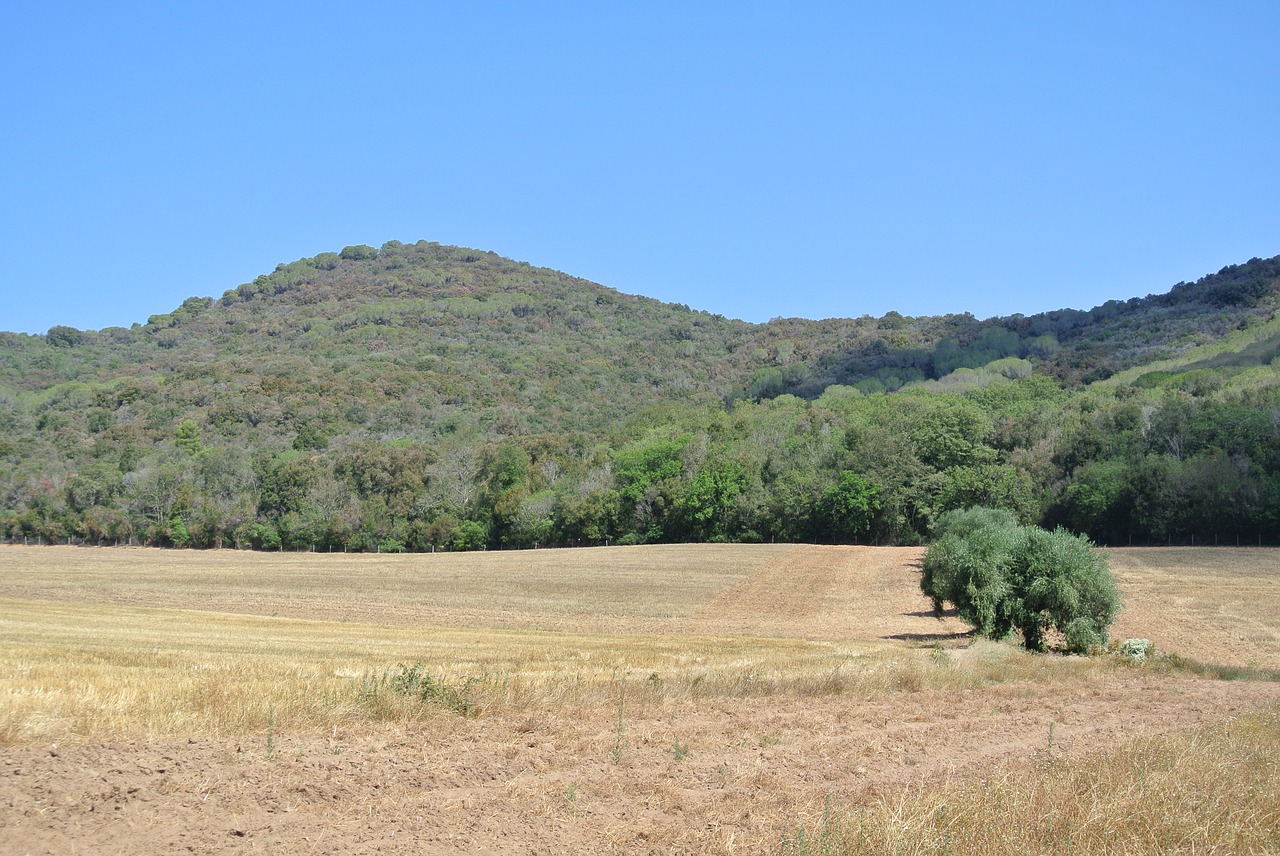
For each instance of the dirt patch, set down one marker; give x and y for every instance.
(734, 776)
(865, 593)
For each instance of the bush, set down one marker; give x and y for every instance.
(1137, 650)
(264, 536)
(470, 535)
(416, 681)
(1002, 577)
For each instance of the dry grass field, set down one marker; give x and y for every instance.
(718, 698)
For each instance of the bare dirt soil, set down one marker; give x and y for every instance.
(550, 784)
(731, 774)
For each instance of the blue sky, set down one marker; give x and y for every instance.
(752, 159)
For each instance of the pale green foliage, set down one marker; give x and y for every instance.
(187, 437)
(1003, 577)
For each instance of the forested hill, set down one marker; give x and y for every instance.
(423, 394)
(533, 348)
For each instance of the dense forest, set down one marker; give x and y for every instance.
(419, 397)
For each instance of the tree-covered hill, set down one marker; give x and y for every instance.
(420, 394)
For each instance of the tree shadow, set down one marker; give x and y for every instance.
(929, 613)
(926, 639)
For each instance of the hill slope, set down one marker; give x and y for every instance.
(394, 395)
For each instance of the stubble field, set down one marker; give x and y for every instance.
(723, 699)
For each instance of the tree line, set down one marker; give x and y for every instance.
(1119, 464)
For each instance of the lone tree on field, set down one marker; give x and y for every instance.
(1003, 577)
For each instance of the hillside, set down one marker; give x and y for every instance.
(528, 346)
(420, 394)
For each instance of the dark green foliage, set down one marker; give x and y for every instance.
(1003, 577)
(849, 507)
(60, 336)
(178, 533)
(358, 253)
(987, 484)
(964, 522)
(264, 536)
(285, 481)
(187, 437)
(468, 535)
(708, 501)
(1067, 587)
(1245, 285)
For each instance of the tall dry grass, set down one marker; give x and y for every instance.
(1212, 790)
(103, 672)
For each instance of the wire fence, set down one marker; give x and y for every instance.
(1188, 540)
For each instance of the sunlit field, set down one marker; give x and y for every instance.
(811, 688)
(92, 664)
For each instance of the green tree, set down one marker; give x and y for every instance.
(849, 507)
(187, 437)
(358, 252)
(948, 431)
(642, 465)
(264, 536)
(178, 533)
(709, 498)
(469, 535)
(647, 474)
(591, 518)
(61, 336)
(1097, 502)
(95, 484)
(995, 485)
(1002, 577)
(285, 482)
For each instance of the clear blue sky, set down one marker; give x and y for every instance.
(747, 158)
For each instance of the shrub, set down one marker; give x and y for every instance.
(416, 681)
(1002, 577)
(470, 535)
(1137, 649)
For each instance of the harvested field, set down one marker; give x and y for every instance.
(1212, 604)
(633, 700)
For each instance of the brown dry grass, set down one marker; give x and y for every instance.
(231, 642)
(638, 589)
(75, 671)
(1214, 789)
(1217, 605)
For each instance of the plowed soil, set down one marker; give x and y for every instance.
(718, 775)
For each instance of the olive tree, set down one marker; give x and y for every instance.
(1003, 577)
